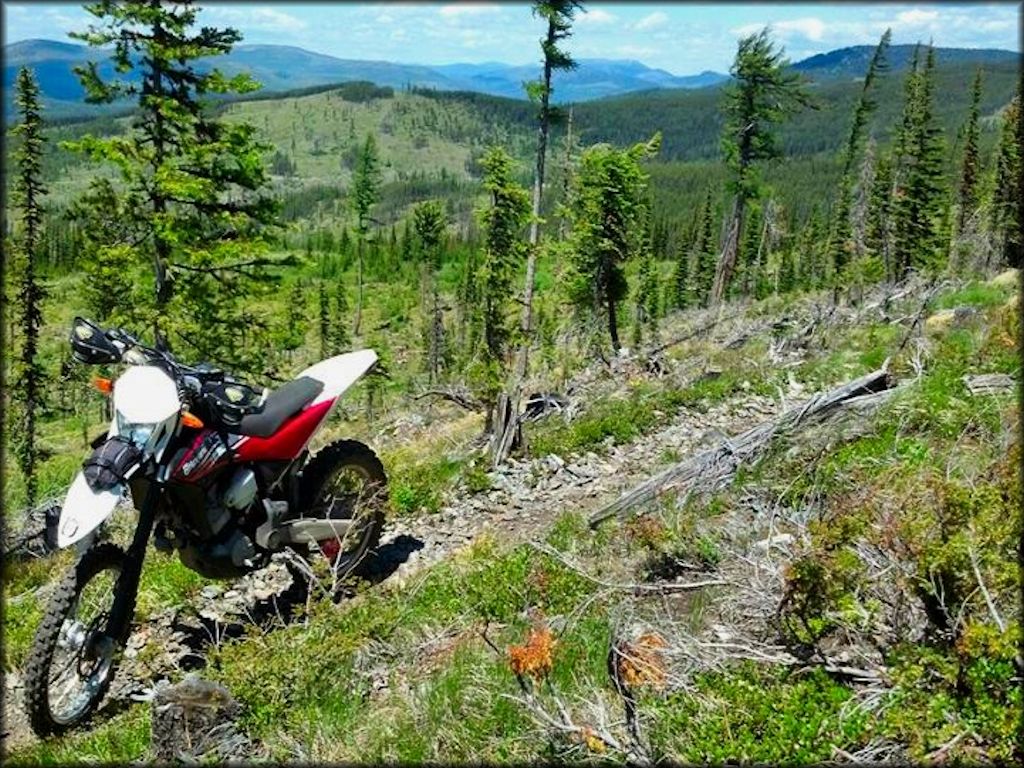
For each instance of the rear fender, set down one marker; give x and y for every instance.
(84, 510)
(339, 373)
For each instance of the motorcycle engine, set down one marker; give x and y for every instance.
(227, 550)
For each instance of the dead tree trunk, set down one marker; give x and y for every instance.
(727, 261)
(195, 720)
(716, 465)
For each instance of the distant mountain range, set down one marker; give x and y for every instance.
(853, 61)
(280, 67)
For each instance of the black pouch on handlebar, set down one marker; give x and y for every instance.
(229, 401)
(111, 463)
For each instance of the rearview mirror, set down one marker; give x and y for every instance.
(89, 344)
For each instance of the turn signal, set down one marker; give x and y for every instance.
(191, 420)
(106, 386)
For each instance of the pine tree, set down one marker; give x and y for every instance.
(430, 221)
(296, 321)
(191, 198)
(681, 297)
(607, 206)
(703, 262)
(559, 17)
(763, 92)
(338, 339)
(365, 194)
(29, 191)
(503, 220)
(1006, 199)
(969, 165)
(646, 302)
(842, 235)
(747, 253)
(324, 317)
(878, 234)
(920, 183)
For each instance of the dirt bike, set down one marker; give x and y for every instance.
(219, 474)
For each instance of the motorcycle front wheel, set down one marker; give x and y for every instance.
(72, 659)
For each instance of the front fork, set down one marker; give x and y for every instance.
(127, 587)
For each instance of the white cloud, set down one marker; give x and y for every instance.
(749, 29)
(467, 9)
(257, 19)
(281, 20)
(652, 21)
(809, 27)
(596, 16)
(916, 16)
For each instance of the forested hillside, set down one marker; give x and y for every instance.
(698, 408)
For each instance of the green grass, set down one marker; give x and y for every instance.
(118, 740)
(975, 294)
(753, 715)
(646, 405)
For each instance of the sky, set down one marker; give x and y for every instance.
(678, 37)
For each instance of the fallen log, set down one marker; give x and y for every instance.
(989, 384)
(714, 466)
(461, 398)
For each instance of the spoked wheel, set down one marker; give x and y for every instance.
(345, 482)
(72, 659)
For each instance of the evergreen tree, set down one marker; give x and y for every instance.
(338, 338)
(681, 297)
(842, 236)
(430, 221)
(559, 17)
(703, 262)
(764, 90)
(324, 317)
(878, 234)
(191, 197)
(748, 252)
(29, 191)
(1006, 199)
(503, 220)
(295, 319)
(646, 299)
(365, 194)
(969, 165)
(607, 206)
(920, 193)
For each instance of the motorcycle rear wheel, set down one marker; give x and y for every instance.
(346, 481)
(72, 659)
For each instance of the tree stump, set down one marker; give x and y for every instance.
(195, 720)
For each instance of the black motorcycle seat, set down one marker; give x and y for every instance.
(280, 405)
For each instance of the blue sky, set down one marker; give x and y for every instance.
(681, 38)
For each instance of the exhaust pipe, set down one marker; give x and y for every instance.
(308, 531)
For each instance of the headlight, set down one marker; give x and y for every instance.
(137, 433)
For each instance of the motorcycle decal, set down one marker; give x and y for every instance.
(289, 440)
(202, 457)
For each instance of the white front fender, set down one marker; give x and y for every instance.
(84, 510)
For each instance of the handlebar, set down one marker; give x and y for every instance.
(192, 380)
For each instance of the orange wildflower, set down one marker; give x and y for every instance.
(534, 657)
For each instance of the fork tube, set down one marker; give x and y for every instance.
(128, 584)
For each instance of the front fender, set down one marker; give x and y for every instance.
(84, 510)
